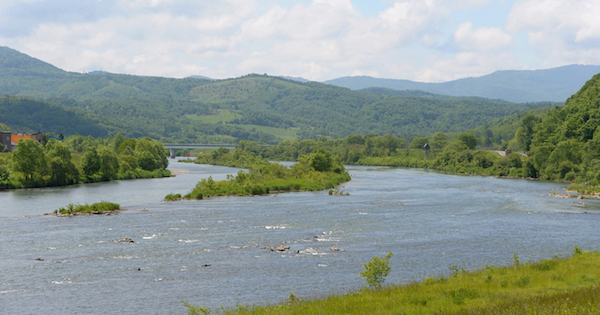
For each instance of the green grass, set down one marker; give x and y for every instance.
(285, 134)
(552, 286)
(223, 116)
(96, 208)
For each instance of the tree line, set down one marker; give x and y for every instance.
(79, 159)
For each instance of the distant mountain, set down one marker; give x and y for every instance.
(199, 77)
(520, 86)
(299, 79)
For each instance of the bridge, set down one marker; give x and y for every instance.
(190, 146)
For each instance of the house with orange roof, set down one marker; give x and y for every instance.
(10, 141)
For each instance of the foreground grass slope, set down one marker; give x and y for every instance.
(552, 286)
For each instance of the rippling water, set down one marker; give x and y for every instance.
(216, 251)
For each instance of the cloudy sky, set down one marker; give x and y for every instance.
(422, 40)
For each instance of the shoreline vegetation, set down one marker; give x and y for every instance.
(99, 208)
(77, 159)
(550, 286)
(317, 171)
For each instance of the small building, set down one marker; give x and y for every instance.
(10, 141)
(5, 140)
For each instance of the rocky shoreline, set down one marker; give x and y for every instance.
(108, 212)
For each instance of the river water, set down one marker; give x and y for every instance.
(216, 252)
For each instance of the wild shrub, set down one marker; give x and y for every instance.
(173, 197)
(522, 282)
(459, 296)
(377, 270)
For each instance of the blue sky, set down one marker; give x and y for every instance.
(422, 40)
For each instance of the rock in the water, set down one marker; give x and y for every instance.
(39, 259)
(281, 248)
(126, 240)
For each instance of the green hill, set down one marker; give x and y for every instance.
(260, 108)
(566, 143)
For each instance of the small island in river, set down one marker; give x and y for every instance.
(103, 207)
(317, 171)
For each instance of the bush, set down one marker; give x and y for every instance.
(377, 270)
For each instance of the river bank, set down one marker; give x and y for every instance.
(551, 286)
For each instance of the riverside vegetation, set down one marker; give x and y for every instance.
(102, 207)
(79, 159)
(551, 286)
(560, 144)
(317, 171)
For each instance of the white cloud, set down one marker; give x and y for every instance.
(317, 39)
(481, 39)
(562, 31)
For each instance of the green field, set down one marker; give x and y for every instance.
(222, 116)
(285, 134)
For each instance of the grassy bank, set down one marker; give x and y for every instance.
(552, 286)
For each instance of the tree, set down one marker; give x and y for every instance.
(90, 162)
(156, 150)
(355, 139)
(440, 140)
(468, 139)
(29, 158)
(109, 163)
(418, 142)
(62, 170)
(524, 134)
(320, 160)
(377, 270)
(117, 141)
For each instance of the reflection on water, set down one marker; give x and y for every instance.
(221, 251)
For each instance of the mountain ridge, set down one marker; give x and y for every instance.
(518, 86)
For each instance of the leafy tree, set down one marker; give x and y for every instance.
(151, 154)
(62, 170)
(377, 270)
(468, 139)
(320, 160)
(440, 140)
(117, 141)
(355, 139)
(91, 163)
(418, 142)
(29, 158)
(109, 163)
(524, 134)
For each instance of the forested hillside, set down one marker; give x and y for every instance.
(254, 107)
(566, 143)
(22, 114)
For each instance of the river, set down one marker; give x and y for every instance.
(217, 252)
